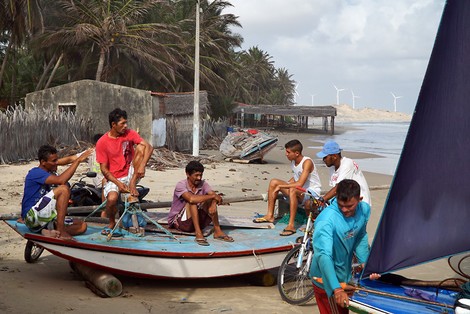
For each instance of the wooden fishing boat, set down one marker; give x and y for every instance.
(247, 145)
(157, 255)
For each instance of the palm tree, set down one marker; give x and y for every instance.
(258, 72)
(217, 42)
(19, 19)
(286, 86)
(114, 29)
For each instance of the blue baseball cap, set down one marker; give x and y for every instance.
(330, 148)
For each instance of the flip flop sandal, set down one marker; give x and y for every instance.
(261, 220)
(286, 233)
(224, 238)
(202, 241)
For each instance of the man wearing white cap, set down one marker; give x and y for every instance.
(342, 168)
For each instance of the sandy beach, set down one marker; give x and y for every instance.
(49, 286)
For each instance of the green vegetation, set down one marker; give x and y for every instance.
(146, 44)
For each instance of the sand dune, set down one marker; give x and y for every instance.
(346, 113)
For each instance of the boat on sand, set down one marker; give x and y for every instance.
(249, 145)
(257, 248)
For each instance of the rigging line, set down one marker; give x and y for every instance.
(459, 270)
(258, 260)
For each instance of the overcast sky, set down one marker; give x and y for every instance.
(370, 47)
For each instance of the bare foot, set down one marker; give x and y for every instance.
(223, 237)
(132, 199)
(50, 233)
(64, 235)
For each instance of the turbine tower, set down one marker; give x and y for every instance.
(354, 99)
(313, 99)
(395, 101)
(337, 93)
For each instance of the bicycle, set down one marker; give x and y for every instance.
(293, 282)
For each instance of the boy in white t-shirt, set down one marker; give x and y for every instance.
(305, 176)
(342, 168)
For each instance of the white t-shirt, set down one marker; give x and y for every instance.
(313, 179)
(349, 169)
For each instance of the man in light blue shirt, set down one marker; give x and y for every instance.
(339, 233)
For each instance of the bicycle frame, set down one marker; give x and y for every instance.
(308, 229)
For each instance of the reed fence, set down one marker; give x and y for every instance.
(180, 133)
(24, 131)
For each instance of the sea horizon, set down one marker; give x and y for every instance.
(385, 139)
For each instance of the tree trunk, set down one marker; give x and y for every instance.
(4, 63)
(54, 70)
(99, 71)
(46, 69)
(13, 81)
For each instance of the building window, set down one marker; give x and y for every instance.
(69, 107)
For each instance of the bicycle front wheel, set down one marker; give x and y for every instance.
(294, 285)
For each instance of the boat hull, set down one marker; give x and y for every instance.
(157, 255)
(168, 267)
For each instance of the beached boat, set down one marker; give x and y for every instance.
(155, 255)
(426, 216)
(247, 145)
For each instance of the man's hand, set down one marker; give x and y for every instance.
(123, 188)
(218, 200)
(141, 172)
(374, 276)
(84, 155)
(341, 298)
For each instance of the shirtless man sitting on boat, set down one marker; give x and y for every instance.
(194, 205)
(43, 207)
(305, 176)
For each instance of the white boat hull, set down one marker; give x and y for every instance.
(176, 267)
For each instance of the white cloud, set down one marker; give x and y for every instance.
(370, 46)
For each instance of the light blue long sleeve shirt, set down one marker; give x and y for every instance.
(335, 239)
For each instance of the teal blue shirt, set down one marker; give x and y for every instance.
(335, 239)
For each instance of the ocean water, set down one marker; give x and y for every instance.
(385, 139)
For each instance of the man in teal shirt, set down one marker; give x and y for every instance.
(339, 233)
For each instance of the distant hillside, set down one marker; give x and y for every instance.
(346, 113)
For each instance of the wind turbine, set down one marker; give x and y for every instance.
(354, 99)
(296, 93)
(313, 99)
(337, 93)
(395, 101)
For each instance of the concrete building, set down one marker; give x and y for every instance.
(148, 112)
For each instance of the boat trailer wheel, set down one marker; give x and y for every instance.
(32, 251)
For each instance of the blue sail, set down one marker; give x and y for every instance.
(427, 213)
